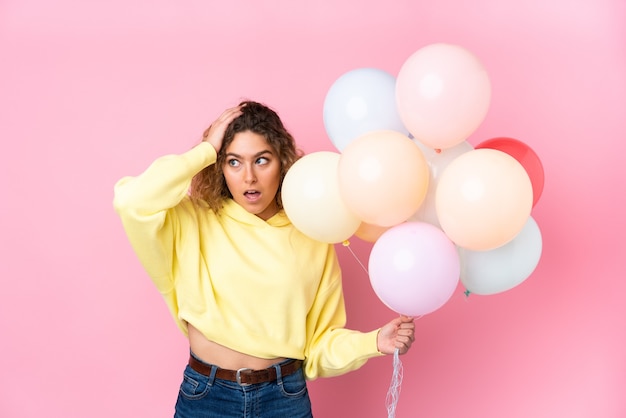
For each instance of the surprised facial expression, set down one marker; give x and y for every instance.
(252, 173)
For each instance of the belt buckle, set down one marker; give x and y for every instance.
(238, 376)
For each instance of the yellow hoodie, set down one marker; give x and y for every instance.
(259, 287)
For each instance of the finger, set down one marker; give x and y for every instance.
(223, 120)
(406, 329)
(236, 109)
(206, 132)
(402, 348)
(407, 333)
(407, 338)
(406, 319)
(229, 114)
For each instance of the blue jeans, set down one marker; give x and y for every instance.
(203, 396)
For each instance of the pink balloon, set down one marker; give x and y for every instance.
(414, 268)
(443, 94)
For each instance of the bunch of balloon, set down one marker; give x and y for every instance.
(437, 210)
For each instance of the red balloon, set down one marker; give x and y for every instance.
(524, 155)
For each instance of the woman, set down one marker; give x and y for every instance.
(261, 303)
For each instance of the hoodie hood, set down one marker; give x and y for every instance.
(233, 210)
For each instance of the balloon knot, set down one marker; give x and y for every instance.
(438, 150)
(346, 243)
(467, 293)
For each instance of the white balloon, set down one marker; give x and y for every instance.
(360, 101)
(437, 162)
(503, 268)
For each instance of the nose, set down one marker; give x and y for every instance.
(249, 175)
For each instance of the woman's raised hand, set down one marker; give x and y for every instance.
(214, 134)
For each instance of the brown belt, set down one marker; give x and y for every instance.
(246, 376)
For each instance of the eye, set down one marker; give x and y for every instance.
(233, 162)
(262, 160)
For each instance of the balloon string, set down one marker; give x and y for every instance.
(347, 245)
(393, 394)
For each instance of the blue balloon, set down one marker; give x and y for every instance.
(358, 102)
(503, 268)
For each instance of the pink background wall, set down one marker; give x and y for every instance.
(91, 91)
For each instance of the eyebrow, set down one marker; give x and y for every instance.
(258, 154)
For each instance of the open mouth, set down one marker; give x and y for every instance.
(252, 195)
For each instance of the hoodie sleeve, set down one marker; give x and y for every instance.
(332, 349)
(145, 202)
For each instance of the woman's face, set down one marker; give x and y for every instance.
(252, 173)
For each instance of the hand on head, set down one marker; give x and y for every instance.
(398, 333)
(214, 134)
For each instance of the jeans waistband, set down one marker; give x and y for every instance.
(246, 376)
